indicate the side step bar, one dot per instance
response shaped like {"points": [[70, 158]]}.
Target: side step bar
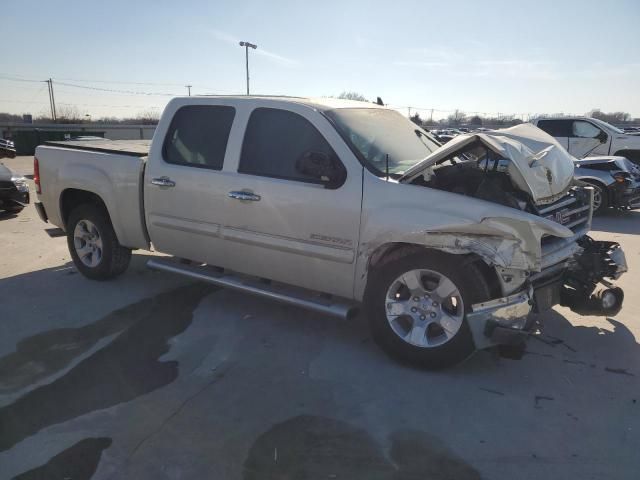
{"points": [[334, 306]]}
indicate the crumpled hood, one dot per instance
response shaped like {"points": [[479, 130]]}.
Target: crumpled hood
{"points": [[538, 165]]}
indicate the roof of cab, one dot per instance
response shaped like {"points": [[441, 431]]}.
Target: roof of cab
{"points": [[320, 103]]}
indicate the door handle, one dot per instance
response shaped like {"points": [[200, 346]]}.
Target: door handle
{"points": [[163, 182], [252, 197]]}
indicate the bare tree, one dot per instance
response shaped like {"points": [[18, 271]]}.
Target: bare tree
{"points": [[148, 117], [68, 114], [352, 96], [456, 118], [613, 117], [415, 118]]}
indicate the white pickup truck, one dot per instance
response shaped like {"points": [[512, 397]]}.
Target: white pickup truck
{"points": [[590, 137], [330, 205]]}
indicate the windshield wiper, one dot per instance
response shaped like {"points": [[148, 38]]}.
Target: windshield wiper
{"points": [[420, 134]]}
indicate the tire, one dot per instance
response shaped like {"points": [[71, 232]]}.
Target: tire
{"points": [[602, 192], [93, 244], [442, 351]]}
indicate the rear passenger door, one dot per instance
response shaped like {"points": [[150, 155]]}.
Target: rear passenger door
{"points": [[584, 138], [291, 227], [560, 129], [185, 186]]}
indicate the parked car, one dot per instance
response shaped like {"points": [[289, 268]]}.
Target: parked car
{"points": [[616, 182], [588, 137], [287, 197], [7, 148], [14, 191]]}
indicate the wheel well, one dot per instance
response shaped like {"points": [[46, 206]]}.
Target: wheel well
{"points": [[72, 197], [392, 251], [633, 155]]}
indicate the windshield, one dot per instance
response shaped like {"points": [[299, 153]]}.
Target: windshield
{"points": [[376, 133], [607, 125]]}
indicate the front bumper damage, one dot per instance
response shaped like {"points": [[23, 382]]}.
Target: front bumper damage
{"points": [[582, 284]]}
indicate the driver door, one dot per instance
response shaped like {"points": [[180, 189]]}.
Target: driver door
{"points": [[282, 223]]}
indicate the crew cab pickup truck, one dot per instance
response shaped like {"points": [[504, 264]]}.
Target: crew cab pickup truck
{"points": [[590, 137], [331, 205]]}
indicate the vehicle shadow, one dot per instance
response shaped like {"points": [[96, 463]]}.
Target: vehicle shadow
{"points": [[7, 215], [617, 221]]}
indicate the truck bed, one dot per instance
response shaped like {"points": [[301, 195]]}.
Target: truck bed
{"points": [[135, 148]]}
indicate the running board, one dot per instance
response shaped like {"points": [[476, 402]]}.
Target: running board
{"points": [[329, 305]]}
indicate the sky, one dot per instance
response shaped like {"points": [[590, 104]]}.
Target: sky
{"points": [[124, 58]]}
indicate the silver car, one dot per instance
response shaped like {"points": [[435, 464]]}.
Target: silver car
{"points": [[616, 181]]}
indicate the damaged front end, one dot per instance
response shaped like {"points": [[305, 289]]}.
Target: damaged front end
{"points": [[582, 283], [542, 258]]}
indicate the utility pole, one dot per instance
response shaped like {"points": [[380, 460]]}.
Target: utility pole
{"points": [[52, 100], [431, 116], [189, 89], [246, 46]]}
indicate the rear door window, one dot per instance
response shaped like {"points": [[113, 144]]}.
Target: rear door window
{"points": [[198, 136], [275, 140], [556, 128]]}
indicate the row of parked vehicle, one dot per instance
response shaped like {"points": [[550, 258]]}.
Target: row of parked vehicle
{"points": [[14, 189], [606, 157]]}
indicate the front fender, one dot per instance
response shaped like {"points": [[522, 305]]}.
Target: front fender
{"points": [[501, 236]]}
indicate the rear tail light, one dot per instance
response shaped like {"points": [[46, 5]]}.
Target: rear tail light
{"points": [[36, 175]]}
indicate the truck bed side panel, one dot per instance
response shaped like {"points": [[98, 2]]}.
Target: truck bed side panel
{"points": [[115, 178]]}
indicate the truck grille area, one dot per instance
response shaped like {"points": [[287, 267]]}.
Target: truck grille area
{"points": [[573, 210]]}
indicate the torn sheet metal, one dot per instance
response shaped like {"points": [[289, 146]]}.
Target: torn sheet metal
{"points": [[538, 164], [494, 319]]}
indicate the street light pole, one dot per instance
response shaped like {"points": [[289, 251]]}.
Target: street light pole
{"points": [[189, 89], [246, 46]]}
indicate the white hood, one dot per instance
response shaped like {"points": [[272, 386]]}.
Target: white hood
{"points": [[538, 164]]}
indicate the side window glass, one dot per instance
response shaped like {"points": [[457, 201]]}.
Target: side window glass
{"points": [[555, 128], [198, 136], [280, 144], [584, 129]]}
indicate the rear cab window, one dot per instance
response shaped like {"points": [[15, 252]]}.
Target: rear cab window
{"points": [[198, 136], [556, 128], [275, 140]]}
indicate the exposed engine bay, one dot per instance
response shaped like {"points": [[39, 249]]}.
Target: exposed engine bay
{"points": [[477, 172]]}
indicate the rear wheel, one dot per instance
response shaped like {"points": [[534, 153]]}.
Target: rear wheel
{"points": [[93, 244], [600, 197], [417, 307]]}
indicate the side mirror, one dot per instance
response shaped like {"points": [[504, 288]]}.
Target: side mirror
{"points": [[322, 167], [602, 136]]}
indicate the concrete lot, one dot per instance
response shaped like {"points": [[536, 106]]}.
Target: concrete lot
{"points": [[152, 377]]}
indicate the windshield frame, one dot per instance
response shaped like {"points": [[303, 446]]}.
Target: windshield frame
{"points": [[358, 154], [602, 123]]}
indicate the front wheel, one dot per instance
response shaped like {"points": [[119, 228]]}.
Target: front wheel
{"points": [[93, 244], [417, 307]]}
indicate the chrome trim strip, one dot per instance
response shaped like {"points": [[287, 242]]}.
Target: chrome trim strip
{"points": [[564, 203]]}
